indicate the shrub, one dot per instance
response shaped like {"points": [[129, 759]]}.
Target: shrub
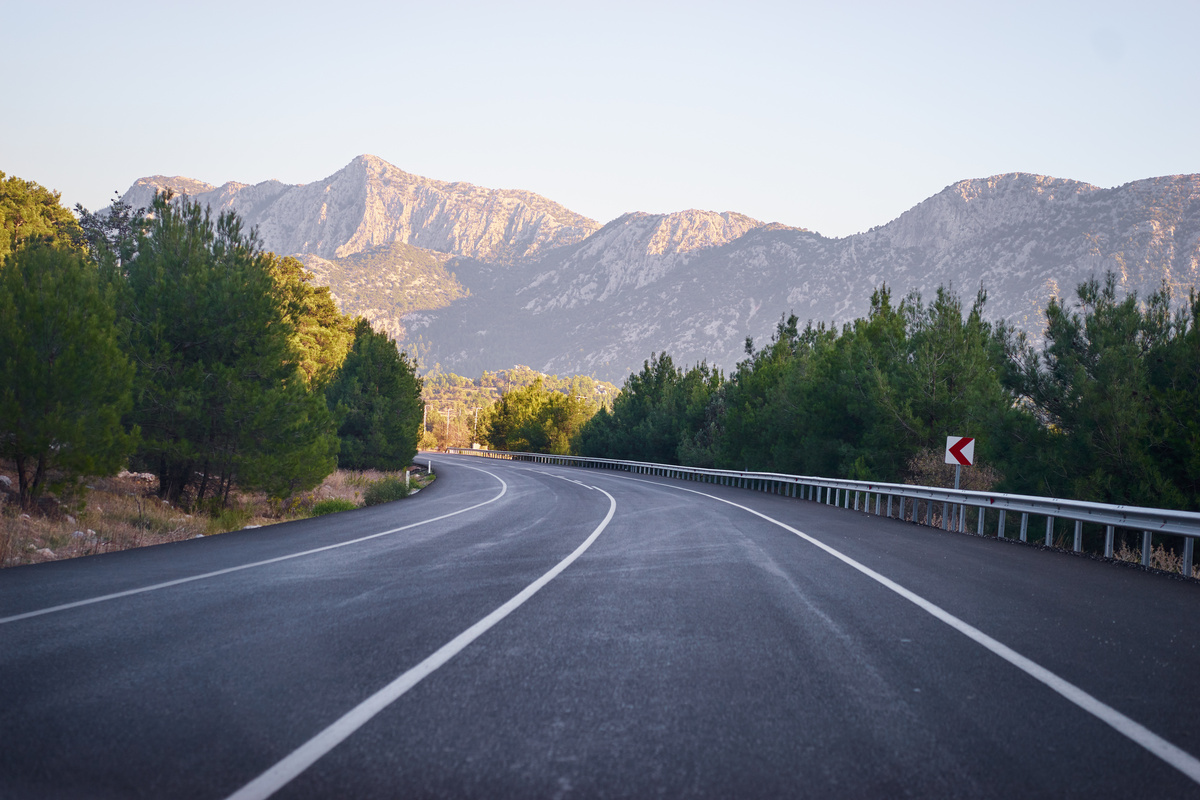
{"points": [[385, 491], [332, 507]]}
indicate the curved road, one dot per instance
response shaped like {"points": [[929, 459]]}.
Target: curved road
{"points": [[524, 630]]}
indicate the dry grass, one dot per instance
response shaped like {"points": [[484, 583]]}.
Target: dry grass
{"points": [[929, 468], [1160, 558], [114, 514], [121, 512]]}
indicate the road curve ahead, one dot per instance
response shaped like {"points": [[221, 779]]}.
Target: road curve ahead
{"points": [[523, 630]]}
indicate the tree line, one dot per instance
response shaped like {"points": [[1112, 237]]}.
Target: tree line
{"points": [[169, 340], [1105, 408], [458, 408], [540, 419]]}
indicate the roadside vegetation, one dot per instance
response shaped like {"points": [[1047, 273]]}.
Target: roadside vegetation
{"points": [[459, 409], [124, 511], [1105, 408], [167, 342]]}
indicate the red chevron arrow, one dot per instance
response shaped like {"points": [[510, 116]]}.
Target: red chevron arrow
{"points": [[955, 450]]}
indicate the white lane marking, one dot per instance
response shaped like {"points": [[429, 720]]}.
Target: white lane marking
{"points": [[178, 581], [1178, 758], [308, 753], [564, 478]]}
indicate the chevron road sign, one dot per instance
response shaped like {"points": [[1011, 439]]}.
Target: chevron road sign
{"points": [[960, 450]]}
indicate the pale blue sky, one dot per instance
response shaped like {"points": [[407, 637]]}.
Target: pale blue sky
{"points": [[835, 117]]}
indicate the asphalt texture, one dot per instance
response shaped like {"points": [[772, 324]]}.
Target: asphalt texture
{"points": [[694, 650]]}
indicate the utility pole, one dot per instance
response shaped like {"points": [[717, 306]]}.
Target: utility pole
{"points": [[476, 438]]}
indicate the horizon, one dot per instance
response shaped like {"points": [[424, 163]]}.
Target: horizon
{"points": [[831, 118], [213, 186]]}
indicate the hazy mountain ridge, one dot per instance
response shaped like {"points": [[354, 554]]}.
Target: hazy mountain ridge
{"points": [[532, 282], [370, 202], [1025, 238], [630, 252]]}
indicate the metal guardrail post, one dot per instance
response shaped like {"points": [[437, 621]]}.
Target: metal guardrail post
{"points": [[1049, 531], [979, 522], [1000, 526], [1145, 548], [1078, 535], [1024, 526], [1189, 547], [1108, 541]]}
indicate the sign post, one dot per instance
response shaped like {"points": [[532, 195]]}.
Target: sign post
{"points": [[960, 450]]}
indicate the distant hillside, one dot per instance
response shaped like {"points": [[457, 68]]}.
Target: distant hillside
{"points": [[386, 282], [601, 308], [475, 278]]}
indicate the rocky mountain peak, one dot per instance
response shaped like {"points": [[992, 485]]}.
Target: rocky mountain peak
{"points": [[968, 209], [142, 193], [370, 202]]}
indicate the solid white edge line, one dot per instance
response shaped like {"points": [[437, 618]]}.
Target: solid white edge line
{"points": [[178, 581], [1178, 758], [308, 753]]}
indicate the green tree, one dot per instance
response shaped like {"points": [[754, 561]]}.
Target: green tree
{"points": [[659, 409], [30, 212], [536, 419], [1116, 384], [377, 397], [219, 395], [321, 333], [64, 382], [110, 236]]}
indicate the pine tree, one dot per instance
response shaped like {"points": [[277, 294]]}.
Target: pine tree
{"points": [[64, 382], [377, 398], [219, 397]]}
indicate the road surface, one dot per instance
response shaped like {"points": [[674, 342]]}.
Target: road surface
{"points": [[523, 630]]}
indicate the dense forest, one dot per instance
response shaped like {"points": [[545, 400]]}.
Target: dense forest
{"points": [[168, 340], [1104, 409]]}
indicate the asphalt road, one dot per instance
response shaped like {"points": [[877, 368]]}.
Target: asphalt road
{"points": [[681, 642]]}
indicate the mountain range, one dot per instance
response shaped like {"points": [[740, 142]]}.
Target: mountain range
{"points": [[473, 278]]}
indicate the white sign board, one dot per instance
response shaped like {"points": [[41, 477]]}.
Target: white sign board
{"points": [[960, 450]]}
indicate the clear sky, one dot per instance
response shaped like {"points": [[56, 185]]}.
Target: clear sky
{"points": [[830, 116]]}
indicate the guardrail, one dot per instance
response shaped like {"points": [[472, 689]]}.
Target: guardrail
{"points": [[907, 501]]}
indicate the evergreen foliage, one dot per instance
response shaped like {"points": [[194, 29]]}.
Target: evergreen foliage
{"points": [[1106, 410], [1117, 385], [537, 419], [658, 411], [458, 406], [64, 382], [30, 212], [377, 397], [111, 235], [219, 395], [322, 334]]}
